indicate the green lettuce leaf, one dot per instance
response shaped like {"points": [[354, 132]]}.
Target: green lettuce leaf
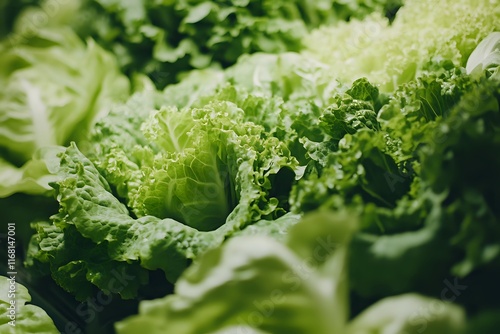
{"points": [[486, 56], [350, 112], [188, 180], [26, 318], [357, 172], [290, 75], [93, 236], [409, 313]]}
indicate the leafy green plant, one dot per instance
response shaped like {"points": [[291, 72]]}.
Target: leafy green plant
{"points": [[54, 88], [17, 315]]}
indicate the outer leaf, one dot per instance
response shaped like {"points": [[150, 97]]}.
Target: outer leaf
{"points": [[486, 56], [410, 313], [27, 318], [92, 218]]}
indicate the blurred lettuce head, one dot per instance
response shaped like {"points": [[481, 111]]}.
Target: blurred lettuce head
{"points": [[54, 86], [389, 54]]}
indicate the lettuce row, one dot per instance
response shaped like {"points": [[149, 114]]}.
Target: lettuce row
{"points": [[182, 35], [265, 141], [166, 38], [422, 220]]}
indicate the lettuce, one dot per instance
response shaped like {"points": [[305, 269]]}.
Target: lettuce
{"points": [[254, 284], [166, 38], [393, 54], [155, 188], [28, 318], [205, 185], [43, 105], [421, 178], [486, 56]]}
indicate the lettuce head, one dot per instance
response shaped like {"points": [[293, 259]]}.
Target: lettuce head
{"points": [[54, 87]]}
